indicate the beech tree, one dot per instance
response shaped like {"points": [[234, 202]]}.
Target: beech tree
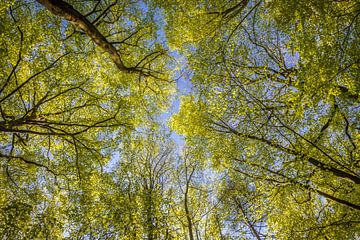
{"points": [[276, 100], [66, 104]]}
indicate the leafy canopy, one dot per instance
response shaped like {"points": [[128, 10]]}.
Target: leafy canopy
{"points": [[271, 125]]}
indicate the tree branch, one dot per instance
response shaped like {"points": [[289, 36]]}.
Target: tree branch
{"points": [[66, 11]]}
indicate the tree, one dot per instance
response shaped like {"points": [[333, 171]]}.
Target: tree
{"points": [[188, 210], [261, 81], [64, 107], [148, 165]]}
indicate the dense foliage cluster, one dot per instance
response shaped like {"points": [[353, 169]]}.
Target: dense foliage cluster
{"points": [[271, 125]]}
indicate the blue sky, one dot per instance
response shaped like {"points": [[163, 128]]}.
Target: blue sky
{"points": [[182, 76], [183, 87]]}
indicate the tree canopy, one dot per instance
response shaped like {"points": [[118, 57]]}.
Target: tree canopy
{"points": [[270, 129]]}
